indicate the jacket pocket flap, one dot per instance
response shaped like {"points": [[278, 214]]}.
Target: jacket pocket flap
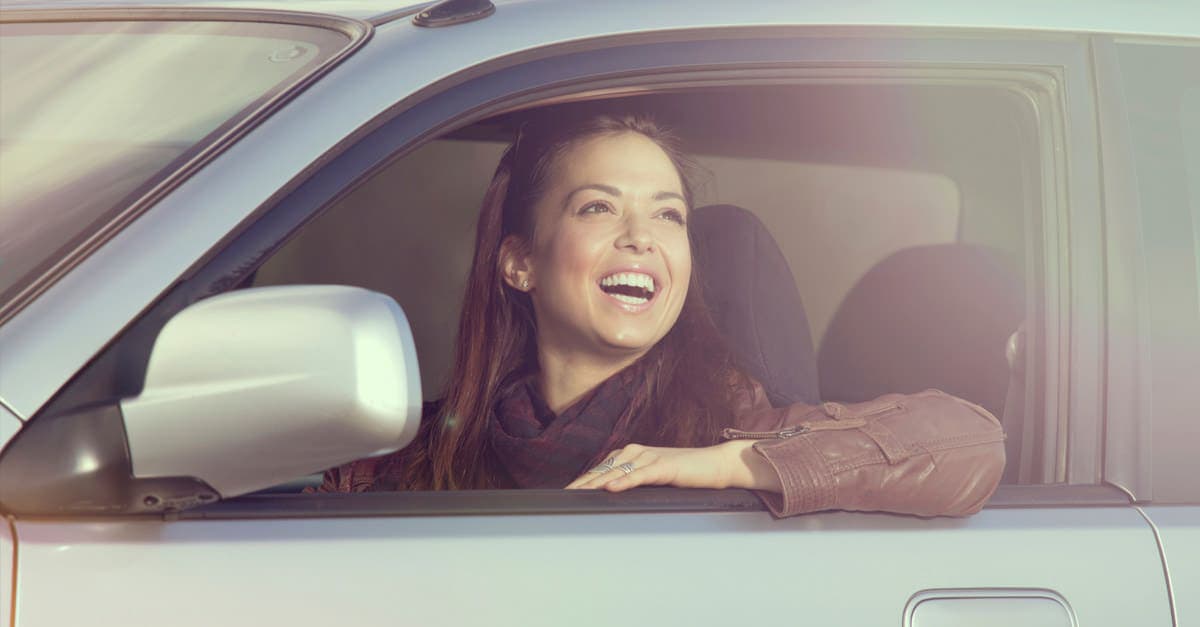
{"points": [[893, 449]]}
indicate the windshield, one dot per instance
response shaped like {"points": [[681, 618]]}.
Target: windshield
{"points": [[93, 115]]}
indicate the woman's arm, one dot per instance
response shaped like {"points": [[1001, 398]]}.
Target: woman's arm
{"points": [[928, 454]]}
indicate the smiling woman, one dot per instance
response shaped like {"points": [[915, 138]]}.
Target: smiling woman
{"points": [[583, 359]]}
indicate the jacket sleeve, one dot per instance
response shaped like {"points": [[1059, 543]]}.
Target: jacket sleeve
{"points": [[928, 454]]}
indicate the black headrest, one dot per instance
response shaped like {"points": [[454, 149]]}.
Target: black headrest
{"points": [[934, 316], [754, 302]]}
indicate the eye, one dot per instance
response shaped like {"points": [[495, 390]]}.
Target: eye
{"points": [[674, 215], [595, 207]]}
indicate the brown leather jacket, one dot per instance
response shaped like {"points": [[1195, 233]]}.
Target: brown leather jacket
{"points": [[929, 454]]}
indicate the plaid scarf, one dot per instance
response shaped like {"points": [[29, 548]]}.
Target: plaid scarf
{"points": [[538, 449]]}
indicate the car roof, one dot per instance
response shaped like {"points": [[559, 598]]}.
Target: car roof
{"points": [[359, 9], [1177, 18]]}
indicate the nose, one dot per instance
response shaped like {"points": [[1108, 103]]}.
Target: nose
{"points": [[636, 236]]}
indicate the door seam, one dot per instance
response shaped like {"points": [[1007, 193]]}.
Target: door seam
{"points": [[1162, 554]]}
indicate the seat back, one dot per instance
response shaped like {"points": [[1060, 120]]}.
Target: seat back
{"points": [[754, 302], [936, 316]]}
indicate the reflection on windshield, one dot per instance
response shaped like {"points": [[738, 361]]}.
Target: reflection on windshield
{"points": [[92, 115]]}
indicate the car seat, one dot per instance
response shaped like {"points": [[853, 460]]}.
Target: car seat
{"points": [[754, 302], [937, 316]]}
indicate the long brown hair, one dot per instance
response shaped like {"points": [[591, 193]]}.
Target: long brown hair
{"points": [[683, 395]]}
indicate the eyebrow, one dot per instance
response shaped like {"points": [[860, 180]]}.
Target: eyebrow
{"points": [[612, 191]]}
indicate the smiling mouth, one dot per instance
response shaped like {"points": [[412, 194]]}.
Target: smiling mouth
{"points": [[631, 288]]}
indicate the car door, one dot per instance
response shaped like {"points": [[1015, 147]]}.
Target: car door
{"points": [[1061, 549]]}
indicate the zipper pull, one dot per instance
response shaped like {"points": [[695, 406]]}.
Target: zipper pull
{"points": [[737, 434]]}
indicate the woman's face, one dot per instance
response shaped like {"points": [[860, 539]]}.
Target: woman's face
{"points": [[609, 265]]}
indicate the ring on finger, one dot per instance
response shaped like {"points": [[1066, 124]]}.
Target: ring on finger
{"points": [[627, 467], [605, 466]]}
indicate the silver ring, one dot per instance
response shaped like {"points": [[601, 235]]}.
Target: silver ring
{"points": [[604, 466], [627, 467]]}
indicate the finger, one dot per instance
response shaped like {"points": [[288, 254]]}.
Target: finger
{"points": [[655, 473], [642, 456], [584, 480]]}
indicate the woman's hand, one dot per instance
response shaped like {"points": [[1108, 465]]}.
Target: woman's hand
{"points": [[732, 464]]}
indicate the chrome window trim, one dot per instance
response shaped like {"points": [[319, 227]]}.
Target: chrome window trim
{"points": [[357, 31]]}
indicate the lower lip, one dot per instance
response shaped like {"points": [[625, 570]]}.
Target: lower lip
{"points": [[629, 307]]}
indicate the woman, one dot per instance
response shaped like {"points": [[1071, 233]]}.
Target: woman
{"points": [[586, 359]]}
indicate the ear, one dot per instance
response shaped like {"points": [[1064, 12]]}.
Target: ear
{"points": [[515, 264]]}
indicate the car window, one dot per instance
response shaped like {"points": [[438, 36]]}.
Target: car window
{"points": [[1189, 127], [1161, 84], [899, 210], [95, 114]]}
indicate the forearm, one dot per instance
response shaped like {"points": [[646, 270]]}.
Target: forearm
{"points": [[928, 454], [750, 469]]}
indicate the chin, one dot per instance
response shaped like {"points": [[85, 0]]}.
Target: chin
{"points": [[631, 341]]}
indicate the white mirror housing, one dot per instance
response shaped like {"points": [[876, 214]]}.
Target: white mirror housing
{"points": [[255, 387]]}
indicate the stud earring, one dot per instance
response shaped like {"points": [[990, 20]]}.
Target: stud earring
{"points": [[524, 284]]}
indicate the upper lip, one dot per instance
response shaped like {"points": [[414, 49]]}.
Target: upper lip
{"points": [[658, 282]]}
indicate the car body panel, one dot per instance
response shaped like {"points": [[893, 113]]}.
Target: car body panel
{"points": [[1179, 534], [833, 568], [1169, 18]]}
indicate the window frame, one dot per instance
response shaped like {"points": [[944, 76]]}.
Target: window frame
{"points": [[605, 66]]}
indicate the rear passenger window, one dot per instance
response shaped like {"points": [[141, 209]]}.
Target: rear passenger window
{"points": [[909, 213], [1161, 84]]}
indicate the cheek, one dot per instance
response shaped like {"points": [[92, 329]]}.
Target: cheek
{"points": [[680, 258], [570, 254]]}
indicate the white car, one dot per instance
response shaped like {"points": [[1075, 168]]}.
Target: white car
{"points": [[233, 239]]}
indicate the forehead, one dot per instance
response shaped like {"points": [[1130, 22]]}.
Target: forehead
{"points": [[627, 161]]}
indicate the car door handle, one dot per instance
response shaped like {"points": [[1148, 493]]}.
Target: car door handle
{"points": [[988, 607]]}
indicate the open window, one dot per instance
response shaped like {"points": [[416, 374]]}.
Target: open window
{"points": [[908, 206]]}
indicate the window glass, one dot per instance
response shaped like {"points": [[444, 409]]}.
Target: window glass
{"points": [[92, 115], [1189, 126], [1161, 84], [1162, 89]]}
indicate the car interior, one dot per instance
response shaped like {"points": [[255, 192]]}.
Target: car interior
{"points": [[854, 237]]}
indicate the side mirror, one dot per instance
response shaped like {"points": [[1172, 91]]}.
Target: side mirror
{"points": [[243, 391], [255, 387]]}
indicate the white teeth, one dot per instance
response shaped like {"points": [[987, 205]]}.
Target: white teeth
{"points": [[635, 279], [632, 300]]}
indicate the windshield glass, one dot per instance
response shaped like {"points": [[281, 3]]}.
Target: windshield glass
{"points": [[93, 115]]}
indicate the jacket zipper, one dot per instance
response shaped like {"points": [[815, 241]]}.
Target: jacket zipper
{"points": [[738, 434]]}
